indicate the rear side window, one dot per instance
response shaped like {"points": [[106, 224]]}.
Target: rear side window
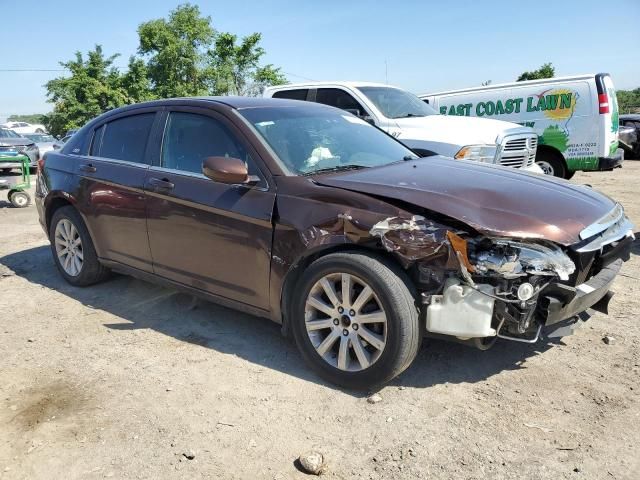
{"points": [[335, 97], [125, 138], [298, 94]]}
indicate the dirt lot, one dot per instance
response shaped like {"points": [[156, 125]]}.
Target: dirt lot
{"points": [[125, 378]]}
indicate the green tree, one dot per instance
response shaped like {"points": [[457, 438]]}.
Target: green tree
{"points": [[547, 70], [629, 100], [30, 118], [93, 87], [135, 81], [235, 68], [175, 50]]}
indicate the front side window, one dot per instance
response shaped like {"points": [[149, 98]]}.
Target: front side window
{"points": [[313, 139], [396, 103], [335, 97], [126, 138], [189, 138]]}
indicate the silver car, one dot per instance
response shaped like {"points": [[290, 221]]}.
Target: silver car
{"points": [[11, 142]]}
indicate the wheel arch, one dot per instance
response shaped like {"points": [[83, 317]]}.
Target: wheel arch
{"points": [[295, 271], [549, 150], [56, 201]]}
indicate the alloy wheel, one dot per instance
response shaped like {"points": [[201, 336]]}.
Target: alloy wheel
{"points": [[69, 247], [345, 322]]}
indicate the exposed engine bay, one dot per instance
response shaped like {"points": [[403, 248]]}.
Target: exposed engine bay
{"points": [[479, 288]]}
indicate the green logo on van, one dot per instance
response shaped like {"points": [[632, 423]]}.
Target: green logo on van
{"points": [[555, 137], [556, 104]]}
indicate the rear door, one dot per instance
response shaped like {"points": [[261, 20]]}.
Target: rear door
{"points": [[211, 236], [111, 188]]}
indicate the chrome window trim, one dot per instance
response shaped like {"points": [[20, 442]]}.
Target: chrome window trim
{"points": [[185, 173]]}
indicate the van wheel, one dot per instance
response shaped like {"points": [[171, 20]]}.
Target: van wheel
{"points": [[72, 249], [551, 164], [354, 320]]}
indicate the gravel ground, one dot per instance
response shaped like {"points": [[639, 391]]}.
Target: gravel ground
{"points": [[127, 380]]}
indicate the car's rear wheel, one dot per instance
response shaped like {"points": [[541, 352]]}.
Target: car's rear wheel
{"points": [[355, 320], [72, 249]]}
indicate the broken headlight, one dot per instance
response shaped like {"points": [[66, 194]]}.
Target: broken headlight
{"points": [[514, 259]]}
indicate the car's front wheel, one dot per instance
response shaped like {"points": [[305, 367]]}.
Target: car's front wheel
{"points": [[355, 320], [72, 249]]}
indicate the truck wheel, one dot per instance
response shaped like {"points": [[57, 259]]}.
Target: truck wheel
{"points": [[355, 320], [19, 199], [551, 164], [72, 249]]}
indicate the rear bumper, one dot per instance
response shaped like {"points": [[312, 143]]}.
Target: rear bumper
{"points": [[609, 163]]}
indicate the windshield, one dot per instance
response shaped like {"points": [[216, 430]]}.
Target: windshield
{"points": [[39, 137], [5, 133], [396, 103], [309, 140]]}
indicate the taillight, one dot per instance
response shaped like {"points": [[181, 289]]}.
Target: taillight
{"points": [[603, 103], [41, 163]]}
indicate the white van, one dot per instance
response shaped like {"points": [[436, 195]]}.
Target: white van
{"points": [[418, 126], [576, 118]]}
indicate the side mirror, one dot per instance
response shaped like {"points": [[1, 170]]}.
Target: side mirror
{"points": [[227, 170]]}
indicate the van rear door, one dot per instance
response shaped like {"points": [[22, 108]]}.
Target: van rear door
{"points": [[608, 115]]}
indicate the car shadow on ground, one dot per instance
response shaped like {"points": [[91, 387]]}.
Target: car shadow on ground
{"points": [[635, 246], [142, 305]]}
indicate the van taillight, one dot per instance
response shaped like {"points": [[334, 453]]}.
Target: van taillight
{"points": [[603, 102]]}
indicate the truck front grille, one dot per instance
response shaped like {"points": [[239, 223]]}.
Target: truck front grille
{"points": [[518, 151]]}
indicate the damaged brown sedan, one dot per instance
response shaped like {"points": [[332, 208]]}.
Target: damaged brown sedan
{"points": [[309, 216]]}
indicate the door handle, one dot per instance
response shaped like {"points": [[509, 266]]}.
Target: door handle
{"points": [[88, 168], [161, 183]]}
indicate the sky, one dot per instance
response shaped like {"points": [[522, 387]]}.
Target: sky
{"points": [[422, 46]]}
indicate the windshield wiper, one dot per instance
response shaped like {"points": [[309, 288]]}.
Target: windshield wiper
{"points": [[337, 168]]}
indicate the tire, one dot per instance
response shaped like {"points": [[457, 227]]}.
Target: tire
{"points": [[91, 270], [551, 164], [569, 174], [19, 198], [392, 293]]}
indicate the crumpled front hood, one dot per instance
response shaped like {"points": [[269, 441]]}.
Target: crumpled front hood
{"points": [[495, 201], [453, 129]]}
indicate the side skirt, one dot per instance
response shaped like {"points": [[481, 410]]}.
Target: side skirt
{"points": [[210, 297]]}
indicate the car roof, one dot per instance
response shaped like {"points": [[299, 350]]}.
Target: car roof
{"points": [[352, 84], [630, 116], [237, 103]]}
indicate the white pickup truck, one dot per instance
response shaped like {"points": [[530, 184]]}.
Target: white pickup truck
{"points": [[419, 126]]}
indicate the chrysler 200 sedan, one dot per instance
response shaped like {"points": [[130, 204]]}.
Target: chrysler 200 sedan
{"points": [[311, 217]]}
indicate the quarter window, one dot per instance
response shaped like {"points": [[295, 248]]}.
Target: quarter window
{"points": [[190, 138], [95, 142], [126, 138]]}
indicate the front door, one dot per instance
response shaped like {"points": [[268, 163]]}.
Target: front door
{"points": [[211, 236]]}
